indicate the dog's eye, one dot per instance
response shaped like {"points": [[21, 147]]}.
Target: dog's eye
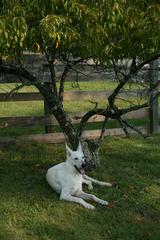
{"points": [[76, 158]]}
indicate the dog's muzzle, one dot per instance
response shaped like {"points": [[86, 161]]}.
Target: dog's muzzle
{"points": [[80, 170], [84, 167]]}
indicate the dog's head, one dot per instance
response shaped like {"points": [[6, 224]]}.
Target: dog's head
{"points": [[76, 158]]}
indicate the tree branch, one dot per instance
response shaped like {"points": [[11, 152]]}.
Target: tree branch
{"points": [[103, 129], [15, 89], [96, 111], [134, 128], [62, 82], [123, 111], [69, 65], [112, 97], [147, 61], [123, 126]]}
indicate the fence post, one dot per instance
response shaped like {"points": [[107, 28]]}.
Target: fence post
{"points": [[154, 116]]}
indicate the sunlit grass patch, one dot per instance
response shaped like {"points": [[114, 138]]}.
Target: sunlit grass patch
{"points": [[34, 108]]}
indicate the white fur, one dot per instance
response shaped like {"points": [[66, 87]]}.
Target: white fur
{"points": [[65, 179]]}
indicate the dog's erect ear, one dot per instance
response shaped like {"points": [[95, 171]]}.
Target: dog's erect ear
{"points": [[68, 150], [79, 147]]}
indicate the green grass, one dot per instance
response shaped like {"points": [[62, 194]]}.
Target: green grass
{"points": [[71, 86], [34, 108], [30, 210]]}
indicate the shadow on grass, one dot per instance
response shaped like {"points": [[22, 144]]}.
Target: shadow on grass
{"points": [[40, 231], [45, 230], [23, 168]]}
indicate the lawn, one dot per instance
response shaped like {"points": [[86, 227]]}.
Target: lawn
{"points": [[97, 85], [30, 210]]}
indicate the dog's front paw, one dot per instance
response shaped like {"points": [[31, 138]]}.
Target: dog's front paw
{"points": [[90, 186], [89, 206], [103, 202]]}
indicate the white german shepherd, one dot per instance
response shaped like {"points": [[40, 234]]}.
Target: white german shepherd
{"points": [[67, 178]]}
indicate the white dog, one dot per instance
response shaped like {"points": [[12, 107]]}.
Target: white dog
{"points": [[67, 177]]}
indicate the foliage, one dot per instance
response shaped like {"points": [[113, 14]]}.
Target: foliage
{"points": [[99, 29], [131, 28]]}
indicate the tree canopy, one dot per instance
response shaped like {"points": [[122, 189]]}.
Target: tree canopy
{"points": [[102, 30]]}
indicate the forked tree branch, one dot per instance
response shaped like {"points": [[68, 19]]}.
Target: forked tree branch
{"points": [[62, 82], [133, 128], [107, 113], [146, 61], [113, 111], [123, 126], [69, 65]]}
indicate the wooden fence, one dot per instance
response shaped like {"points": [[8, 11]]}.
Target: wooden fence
{"points": [[49, 120]]}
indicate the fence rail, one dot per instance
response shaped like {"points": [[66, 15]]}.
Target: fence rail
{"points": [[6, 122], [72, 95], [59, 137], [49, 120]]}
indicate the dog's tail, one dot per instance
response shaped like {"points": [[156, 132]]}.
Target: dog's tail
{"points": [[97, 181]]}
